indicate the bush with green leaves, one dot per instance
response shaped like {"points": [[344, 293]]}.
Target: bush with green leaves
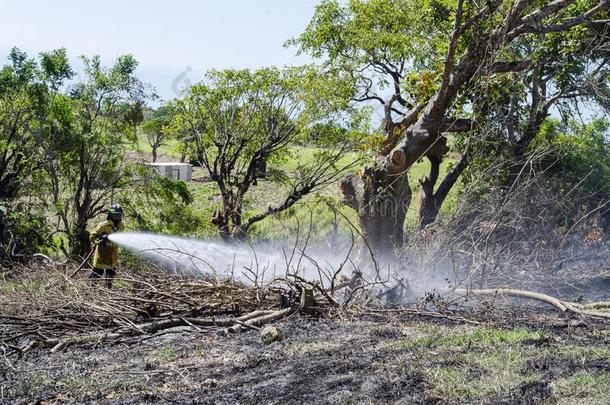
{"points": [[28, 230], [162, 205], [579, 157]]}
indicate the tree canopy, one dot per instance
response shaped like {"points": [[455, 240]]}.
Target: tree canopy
{"points": [[478, 71], [243, 119]]}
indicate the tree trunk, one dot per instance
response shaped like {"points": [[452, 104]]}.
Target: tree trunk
{"points": [[154, 153], [9, 188], [431, 202], [84, 244], [229, 220], [200, 157], [381, 200], [219, 219], [237, 231], [429, 207], [82, 247], [261, 171], [381, 196]]}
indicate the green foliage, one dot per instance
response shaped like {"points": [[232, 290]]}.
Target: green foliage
{"points": [[68, 143], [580, 155], [172, 190], [365, 42], [28, 228], [162, 205], [85, 134], [242, 121], [55, 67], [369, 31], [158, 128], [24, 90], [244, 110]]}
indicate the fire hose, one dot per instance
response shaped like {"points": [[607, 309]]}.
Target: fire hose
{"points": [[79, 268]]}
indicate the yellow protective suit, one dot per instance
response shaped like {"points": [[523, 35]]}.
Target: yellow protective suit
{"points": [[106, 255]]}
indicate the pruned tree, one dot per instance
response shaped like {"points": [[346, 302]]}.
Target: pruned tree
{"points": [[421, 61], [243, 119]]}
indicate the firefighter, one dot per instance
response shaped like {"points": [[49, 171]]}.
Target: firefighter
{"points": [[106, 253]]}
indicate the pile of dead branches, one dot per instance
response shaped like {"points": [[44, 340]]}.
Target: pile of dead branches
{"points": [[47, 309]]}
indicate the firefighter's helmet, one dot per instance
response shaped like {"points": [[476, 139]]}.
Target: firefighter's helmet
{"points": [[115, 212]]}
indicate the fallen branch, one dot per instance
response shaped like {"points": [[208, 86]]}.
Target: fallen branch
{"points": [[517, 293], [251, 320], [83, 263], [563, 306], [597, 305]]}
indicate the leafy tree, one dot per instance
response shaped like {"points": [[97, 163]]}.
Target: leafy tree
{"points": [[160, 204], [15, 110], [242, 119], [87, 132], [157, 128], [25, 87], [580, 155], [423, 61]]}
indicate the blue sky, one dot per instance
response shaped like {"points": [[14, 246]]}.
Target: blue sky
{"points": [[174, 41]]}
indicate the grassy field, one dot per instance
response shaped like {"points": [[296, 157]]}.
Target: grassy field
{"points": [[268, 193]]}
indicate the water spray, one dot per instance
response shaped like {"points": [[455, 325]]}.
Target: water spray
{"points": [[245, 263]]}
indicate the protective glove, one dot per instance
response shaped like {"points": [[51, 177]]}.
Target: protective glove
{"points": [[103, 240]]}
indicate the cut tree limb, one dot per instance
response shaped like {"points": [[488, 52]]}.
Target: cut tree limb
{"points": [[261, 320]]}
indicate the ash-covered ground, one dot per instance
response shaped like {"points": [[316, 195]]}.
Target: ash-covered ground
{"points": [[523, 354]]}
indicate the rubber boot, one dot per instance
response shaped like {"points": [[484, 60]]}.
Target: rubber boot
{"points": [[95, 275], [110, 275]]}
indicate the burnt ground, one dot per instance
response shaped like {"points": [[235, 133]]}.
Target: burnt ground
{"points": [[522, 355]]}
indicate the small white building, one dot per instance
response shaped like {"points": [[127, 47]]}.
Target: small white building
{"points": [[173, 170]]}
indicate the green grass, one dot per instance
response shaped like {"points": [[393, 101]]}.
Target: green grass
{"points": [[452, 383], [304, 155], [585, 353], [475, 364], [583, 388], [168, 150], [164, 354], [497, 356], [31, 384], [438, 336], [106, 384], [25, 286]]}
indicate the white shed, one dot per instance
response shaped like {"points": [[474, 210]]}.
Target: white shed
{"points": [[173, 170]]}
